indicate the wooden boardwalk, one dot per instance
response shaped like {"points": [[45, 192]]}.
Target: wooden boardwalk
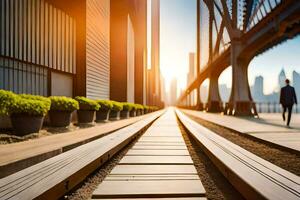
{"points": [[54, 177], [17, 156], [158, 166], [252, 176], [269, 127]]}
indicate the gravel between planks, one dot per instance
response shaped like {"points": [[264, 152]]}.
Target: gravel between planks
{"points": [[280, 157], [86, 189], [216, 185]]}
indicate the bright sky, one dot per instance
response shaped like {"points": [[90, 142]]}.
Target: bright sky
{"points": [[178, 38]]}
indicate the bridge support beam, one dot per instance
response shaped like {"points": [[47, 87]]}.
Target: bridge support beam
{"points": [[188, 100], [240, 102], [214, 103], [199, 105]]}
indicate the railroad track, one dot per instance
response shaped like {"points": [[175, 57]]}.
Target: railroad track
{"points": [[157, 166]]}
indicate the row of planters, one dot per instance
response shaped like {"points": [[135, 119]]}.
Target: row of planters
{"points": [[27, 112]]}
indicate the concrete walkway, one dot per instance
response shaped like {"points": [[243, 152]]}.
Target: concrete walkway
{"points": [[158, 166], [269, 127]]}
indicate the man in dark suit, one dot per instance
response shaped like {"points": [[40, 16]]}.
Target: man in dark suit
{"points": [[287, 100]]}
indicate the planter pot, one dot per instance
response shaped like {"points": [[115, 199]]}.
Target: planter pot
{"points": [[132, 113], [102, 115], [25, 124], [124, 114], [114, 115], [85, 116], [46, 121], [5, 123], [138, 112], [60, 118]]}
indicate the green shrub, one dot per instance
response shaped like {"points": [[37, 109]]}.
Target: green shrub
{"points": [[139, 107], [7, 98], [146, 107], [154, 108], [117, 106], [35, 97], [105, 104], [29, 107], [128, 106], [61, 103], [87, 104]]}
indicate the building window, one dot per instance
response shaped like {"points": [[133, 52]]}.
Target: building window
{"points": [[21, 77]]}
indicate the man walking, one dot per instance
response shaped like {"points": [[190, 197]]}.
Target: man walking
{"points": [[287, 100]]}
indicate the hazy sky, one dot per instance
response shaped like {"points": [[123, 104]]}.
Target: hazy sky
{"points": [[178, 38]]}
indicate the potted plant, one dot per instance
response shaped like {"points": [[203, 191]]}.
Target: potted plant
{"points": [[40, 98], [153, 108], [87, 109], [27, 113], [102, 115], [115, 110], [139, 109], [6, 99], [127, 107], [132, 113], [146, 109], [61, 110]]}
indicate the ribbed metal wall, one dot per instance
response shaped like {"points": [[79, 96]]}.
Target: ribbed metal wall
{"points": [[23, 77], [34, 34], [97, 49]]}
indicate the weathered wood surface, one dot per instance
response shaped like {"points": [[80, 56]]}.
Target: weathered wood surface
{"points": [[268, 127], [158, 166], [52, 178], [253, 176], [17, 156]]}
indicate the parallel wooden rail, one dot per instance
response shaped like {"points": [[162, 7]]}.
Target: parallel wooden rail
{"points": [[252, 176], [53, 178]]}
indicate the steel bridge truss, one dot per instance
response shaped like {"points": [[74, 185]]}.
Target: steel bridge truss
{"points": [[231, 33]]}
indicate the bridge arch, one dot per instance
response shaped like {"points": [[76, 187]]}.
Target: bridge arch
{"points": [[246, 29]]}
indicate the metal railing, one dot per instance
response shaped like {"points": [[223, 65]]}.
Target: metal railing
{"points": [[273, 107]]}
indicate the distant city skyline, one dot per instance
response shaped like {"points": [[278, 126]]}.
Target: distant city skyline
{"points": [[257, 88]]}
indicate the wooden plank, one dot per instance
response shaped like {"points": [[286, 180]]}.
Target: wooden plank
{"points": [[151, 177], [169, 147], [153, 169], [160, 144], [156, 160], [28, 153], [254, 177], [161, 139], [134, 152], [190, 198], [150, 189], [58, 175]]}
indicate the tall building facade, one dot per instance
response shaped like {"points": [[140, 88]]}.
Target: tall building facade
{"points": [[281, 79], [38, 42], [258, 89], [54, 47], [296, 84], [154, 75], [128, 50], [155, 44], [173, 92]]}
